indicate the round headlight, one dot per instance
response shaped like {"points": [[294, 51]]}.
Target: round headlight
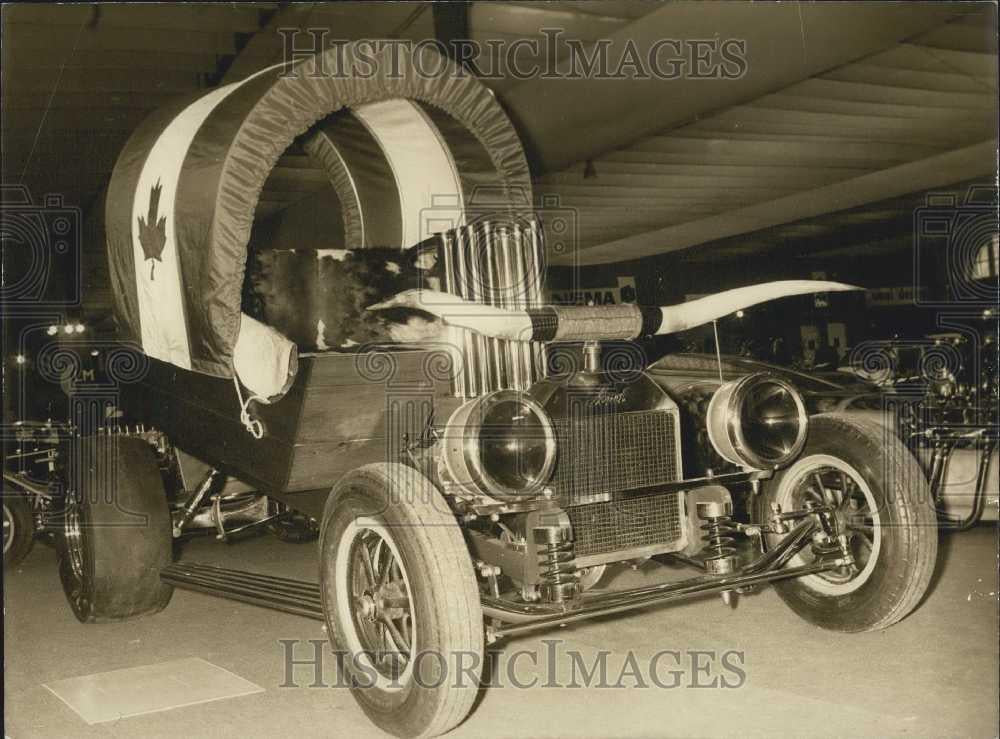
{"points": [[502, 444], [758, 421]]}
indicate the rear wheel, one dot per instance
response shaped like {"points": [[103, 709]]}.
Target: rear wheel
{"points": [[18, 528], [883, 507], [116, 533], [401, 600]]}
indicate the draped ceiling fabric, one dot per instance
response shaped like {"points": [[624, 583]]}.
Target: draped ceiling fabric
{"points": [[183, 193]]}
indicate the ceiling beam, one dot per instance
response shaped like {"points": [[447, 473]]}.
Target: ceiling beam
{"points": [[30, 39], [230, 18], [451, 23], [194, 61], [44, 82], [265, 46], [935, 171], [784, 43], [118, 99]]}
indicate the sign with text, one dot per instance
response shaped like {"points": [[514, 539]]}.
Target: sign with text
{"points": [[623, 292]]}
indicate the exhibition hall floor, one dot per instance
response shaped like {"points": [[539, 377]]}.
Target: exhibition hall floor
{"points": [[934, 674]]}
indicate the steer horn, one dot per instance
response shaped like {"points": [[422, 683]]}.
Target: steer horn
{"points": [[595, 323]]}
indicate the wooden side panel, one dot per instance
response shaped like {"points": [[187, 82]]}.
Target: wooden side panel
{"points": [[360, 408], [343, 411], [201, 415]]}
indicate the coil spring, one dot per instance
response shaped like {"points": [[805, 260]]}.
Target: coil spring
{"points": [[557, 568], [719, 539]]}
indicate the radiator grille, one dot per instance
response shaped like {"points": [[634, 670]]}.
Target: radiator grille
{"points": [[610, 452], [600, 528]]}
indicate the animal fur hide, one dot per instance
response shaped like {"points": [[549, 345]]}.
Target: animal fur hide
{"points": [[320, 299]]}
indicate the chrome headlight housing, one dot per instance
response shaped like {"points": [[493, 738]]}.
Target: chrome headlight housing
{"points": [[502, 445], [758, 421]]}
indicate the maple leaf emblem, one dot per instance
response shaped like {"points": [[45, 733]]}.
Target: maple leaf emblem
{"points": [[153, 231]]}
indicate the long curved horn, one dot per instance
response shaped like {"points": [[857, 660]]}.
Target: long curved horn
{"points": [[712, 307], [608, 322]]}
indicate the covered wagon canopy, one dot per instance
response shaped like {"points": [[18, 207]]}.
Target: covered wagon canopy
{"points": [[422, 140]]}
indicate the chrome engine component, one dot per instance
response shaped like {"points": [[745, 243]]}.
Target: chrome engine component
{"points": [[556, 559], [719, 529], [497, 265], [758, 421], [501, 445]]}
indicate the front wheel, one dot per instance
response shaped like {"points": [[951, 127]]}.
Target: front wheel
{"points": [[401, 600], [883, 507]]}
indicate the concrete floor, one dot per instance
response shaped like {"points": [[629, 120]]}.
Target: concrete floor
{"points": [[933, 675]]}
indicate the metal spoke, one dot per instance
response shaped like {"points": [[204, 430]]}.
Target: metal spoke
{"points": [[845, 502], [380, 640], [402, 643], [818, 497], [384, 574], [406, 629], [823, 492], [867, 539], [845, 489], [368, 569]]}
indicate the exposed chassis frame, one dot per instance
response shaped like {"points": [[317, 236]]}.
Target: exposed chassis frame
{"points": [[509, 618], [944, 440]]}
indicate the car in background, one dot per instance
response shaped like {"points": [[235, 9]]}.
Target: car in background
{"points": [[949, 425]]}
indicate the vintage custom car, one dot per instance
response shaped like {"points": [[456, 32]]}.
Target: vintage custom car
{"points": [[472, 486]]}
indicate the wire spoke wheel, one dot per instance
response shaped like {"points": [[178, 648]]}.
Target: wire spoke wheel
{"points": [[872, 493], [828, 481], [401, 600], [382, 607]]}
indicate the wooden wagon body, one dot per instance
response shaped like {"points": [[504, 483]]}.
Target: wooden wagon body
{"points": [[343, 410]]}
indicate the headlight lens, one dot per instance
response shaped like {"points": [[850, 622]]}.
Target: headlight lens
{"points": [[502, 444], [758, 421]]}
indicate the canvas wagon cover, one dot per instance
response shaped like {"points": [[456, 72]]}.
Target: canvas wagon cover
{"points": [[182, 197]]}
